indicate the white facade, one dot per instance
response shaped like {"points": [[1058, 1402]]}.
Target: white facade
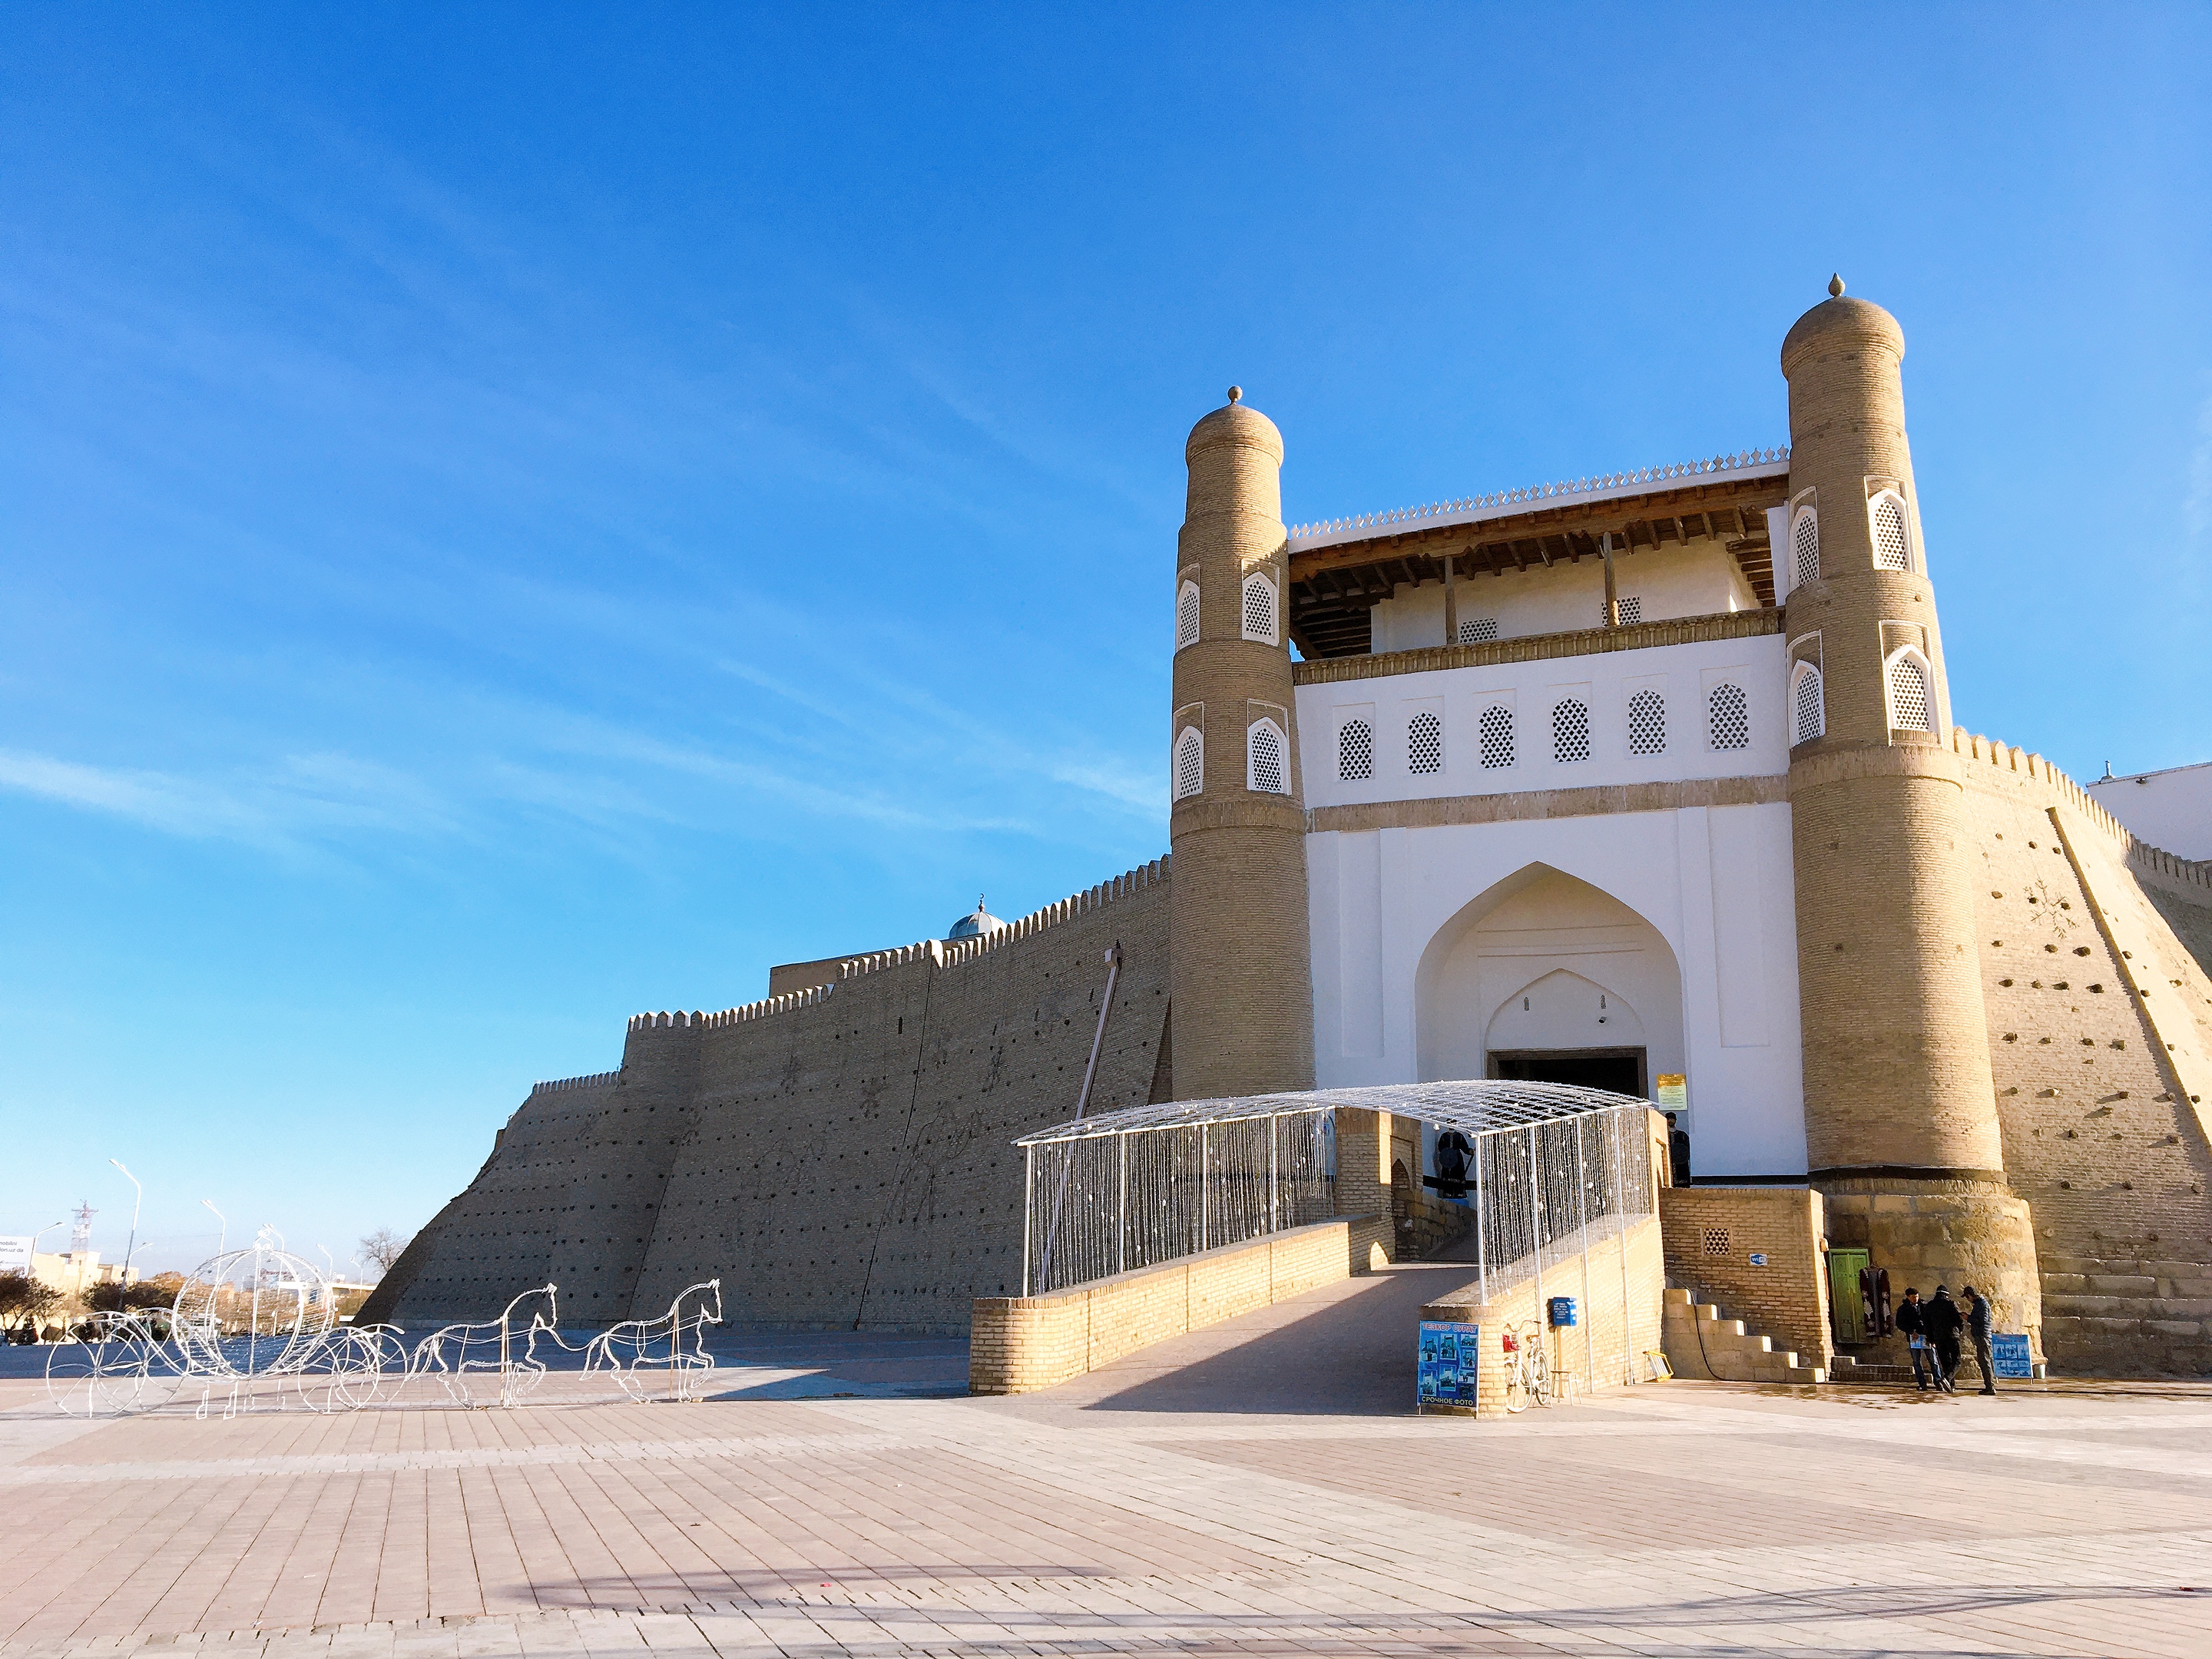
{"points": [[1670, 930], [1564, 596], [2171, 809]]}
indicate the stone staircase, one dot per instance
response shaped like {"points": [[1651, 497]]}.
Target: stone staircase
{"points": [[2114, 1317], [1703, 1342]]}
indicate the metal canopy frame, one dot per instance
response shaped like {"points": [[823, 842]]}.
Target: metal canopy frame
{"points": [[1475, 1106]]}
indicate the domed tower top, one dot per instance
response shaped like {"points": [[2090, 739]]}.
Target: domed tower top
{"points": [[1843, 323], [1235, 422], [975, 925]]}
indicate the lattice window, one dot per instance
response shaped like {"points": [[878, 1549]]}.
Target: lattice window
{"points": [[1355, 752], [1187, 615], [1911, 700], [1892, 551], [1259, 609], [1727, 712], [1631, 610], [1496, 737], [1805, 547], [1717, 1241], [1189, 763], [1425, 744], [1569, 731], [1267, 759], [1647, 723], [1809, 714], [1476, 630]]}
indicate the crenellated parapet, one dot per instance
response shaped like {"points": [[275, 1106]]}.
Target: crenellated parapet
{"points": [[597, 1080], [2061, 789]]}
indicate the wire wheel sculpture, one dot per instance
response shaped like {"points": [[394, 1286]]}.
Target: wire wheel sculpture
{"points": [[117, 1371]]}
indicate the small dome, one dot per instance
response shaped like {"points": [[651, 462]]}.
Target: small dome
{"points": [[975, 925], [1842, 321], [1235, 422]]}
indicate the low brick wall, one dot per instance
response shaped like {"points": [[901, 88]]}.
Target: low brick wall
{"points": [[1712, 1233], [1605, 1349], [1019, 1344]]}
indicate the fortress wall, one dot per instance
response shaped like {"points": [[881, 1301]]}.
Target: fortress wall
{"points": [[836, 1155], [2100, 1031]]}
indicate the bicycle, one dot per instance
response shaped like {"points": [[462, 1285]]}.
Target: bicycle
{"points": [[1528, 1367]]}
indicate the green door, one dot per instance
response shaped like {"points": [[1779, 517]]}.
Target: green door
{"points": [[1846, 1306]]}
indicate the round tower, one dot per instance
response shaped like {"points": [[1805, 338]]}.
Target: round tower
{"points": [[1900, 1111], [1240, 984]]}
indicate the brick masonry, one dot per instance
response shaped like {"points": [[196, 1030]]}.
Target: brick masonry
{"points": [[1712, 1233]]}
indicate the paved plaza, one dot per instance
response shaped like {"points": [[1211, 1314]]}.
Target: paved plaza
{"points": [[1258, 1488]]}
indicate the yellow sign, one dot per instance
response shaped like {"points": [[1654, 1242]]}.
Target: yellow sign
{"points": [[1674, 1092]]}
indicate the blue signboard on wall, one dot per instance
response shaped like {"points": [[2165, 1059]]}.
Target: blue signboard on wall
{"points": [[1450, 1361]]}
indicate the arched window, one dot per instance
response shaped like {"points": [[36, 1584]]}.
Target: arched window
{"points": [[1189, 762], [1259, 609], [1893, 550], [1355, 752], [1808, 713], [1912, 692], [1805, 547], [1569, 731], [1647, 723], [1425, 744], [1727, 712], [1476, 630], [1267, 759], [1496, 737], [1186, 615]]}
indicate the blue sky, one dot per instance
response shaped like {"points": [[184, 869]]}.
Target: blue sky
{"points": [[515, 515]]}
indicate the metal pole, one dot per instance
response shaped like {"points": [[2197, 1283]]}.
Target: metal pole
{"points": [[1202, 1183], [1029, 1188], [1481, 1224], [131, 1249], [1536, 1235], [1124, 1256], [1275, 1224], [1582, 1213], [1619, 1116]]}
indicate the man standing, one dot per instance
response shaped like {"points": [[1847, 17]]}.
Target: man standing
{"points": [[1678, 1150], [1978, 1326], [1912, 1321], [1941, 1319]]}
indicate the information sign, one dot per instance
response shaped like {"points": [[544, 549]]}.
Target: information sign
{"points": [[1450, 1362], [15, 1253], [2009, 1350]]}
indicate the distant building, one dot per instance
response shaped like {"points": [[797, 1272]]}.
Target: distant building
{"points": [[2171, 809]]}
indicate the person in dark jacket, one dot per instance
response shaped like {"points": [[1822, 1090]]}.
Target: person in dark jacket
{"points": [[1942, 1320], [1912, 1321], [1678, 1150], [1978, 1326]]}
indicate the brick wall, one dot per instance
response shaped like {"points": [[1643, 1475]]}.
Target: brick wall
{"points": [[1019, 1344], [1711, 1234]]}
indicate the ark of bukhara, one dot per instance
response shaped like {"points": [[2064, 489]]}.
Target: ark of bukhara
{"points": [[1646, 774]]}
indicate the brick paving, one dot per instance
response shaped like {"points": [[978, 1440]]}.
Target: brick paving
{"points": [[1212, 1496]]}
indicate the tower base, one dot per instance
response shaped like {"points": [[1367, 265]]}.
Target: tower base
{"points": [[1929, 1232]]}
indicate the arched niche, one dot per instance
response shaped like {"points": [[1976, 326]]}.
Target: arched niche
{"points": [[1605, 976]]}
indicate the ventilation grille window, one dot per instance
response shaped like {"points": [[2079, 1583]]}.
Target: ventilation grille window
{"points": [[1187, 616], [1496, 731], [1808, 718], [1647, 724], [1189, 764], [1425, 744], [1805, 549], [1631, 610], [1890, 552], [1270, 758], [1478, 630], [1717, 1241], [1355, 752], [1909, 710], [1569, 731], [1260, 610], [1729, 712]]}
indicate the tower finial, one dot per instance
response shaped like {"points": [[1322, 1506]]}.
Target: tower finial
{"points": [[1236, 393], [1836, 286]]}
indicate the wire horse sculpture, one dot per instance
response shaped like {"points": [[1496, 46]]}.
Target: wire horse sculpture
{"points": [[676, 1343], [456, 1354]]}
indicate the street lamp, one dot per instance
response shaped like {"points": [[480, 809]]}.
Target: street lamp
{"points": [[135, 1203], [222, 1238]]}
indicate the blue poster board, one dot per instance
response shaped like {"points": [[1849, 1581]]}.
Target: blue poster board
{"points": [[2009, 1350], [1450, 1362]]}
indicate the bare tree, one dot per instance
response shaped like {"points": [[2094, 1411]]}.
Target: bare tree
{"points": [[383, 1247]]}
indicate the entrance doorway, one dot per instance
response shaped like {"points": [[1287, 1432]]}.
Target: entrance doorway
{"points": [[1620, 1070]]}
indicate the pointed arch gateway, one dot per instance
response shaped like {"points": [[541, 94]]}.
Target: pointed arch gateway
{"points": [[1546, 977]]}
